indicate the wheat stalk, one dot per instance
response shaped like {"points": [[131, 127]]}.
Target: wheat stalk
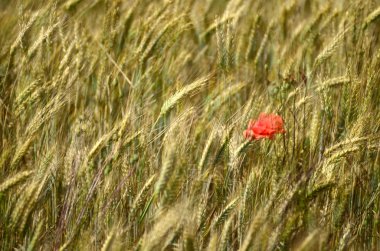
{"points": [[15, 180], [181, 94], [371, 18]]}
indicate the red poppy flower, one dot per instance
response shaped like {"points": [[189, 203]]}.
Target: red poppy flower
{"points": [[266, 126]]}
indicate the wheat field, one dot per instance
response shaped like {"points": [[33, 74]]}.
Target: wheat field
{"points": [[122, 125]]}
